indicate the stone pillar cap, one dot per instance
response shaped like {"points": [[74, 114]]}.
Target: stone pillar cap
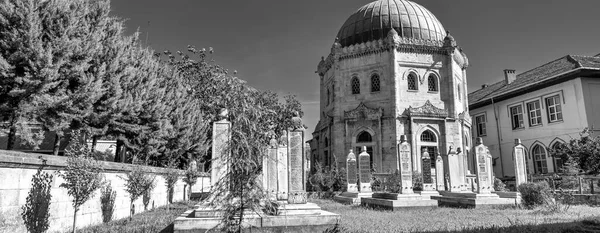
{"points": [[517, 141], [403, 138]]}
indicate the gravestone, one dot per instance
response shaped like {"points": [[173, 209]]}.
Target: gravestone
{"points": [[221, 136], [454, 171], [306, 161], [439, 173], [270, 169], [296, 167], [520, 165], [364, 169], [405, 166], [351, 173], [483, 179], [462, 174], [428, 185], [282, 167], [490, 170]]}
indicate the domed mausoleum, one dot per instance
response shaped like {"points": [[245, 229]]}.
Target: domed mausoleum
{"points": [[393, 70]]}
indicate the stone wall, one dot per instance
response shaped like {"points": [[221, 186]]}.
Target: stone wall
{"points": [[17, 169]]}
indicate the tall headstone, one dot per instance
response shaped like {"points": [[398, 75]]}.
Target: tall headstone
{"points": [[306, 162], [463, 170], [270, 169], [520, 165], [221, 136], [439, 173], [427, 177], [296, 167], [364, 169], [455, 180], [490, 170], [282, 167], [483, 179], [405, 166], [351, 173]]}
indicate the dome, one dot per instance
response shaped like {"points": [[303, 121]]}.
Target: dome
{"points": [[374, 20]]}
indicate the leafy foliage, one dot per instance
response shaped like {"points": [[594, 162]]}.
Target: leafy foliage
{"points": [[170, 177], [83, 175], [107, 202], [137, 182], [190, 178], [584, 151], [534, 194], [36, 210], [417, 180], [327, 179], [499, 185]]}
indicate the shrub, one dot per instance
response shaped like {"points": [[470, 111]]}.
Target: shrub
{"points": [[136, 183], [327, 179], [534, 194], [499, 185], [107, 202], [36, 210], [417, 179], [171, 177], [148, 187], [190, 178]]}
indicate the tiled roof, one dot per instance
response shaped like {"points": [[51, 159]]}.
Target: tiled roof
{"points": [[535, 76]]}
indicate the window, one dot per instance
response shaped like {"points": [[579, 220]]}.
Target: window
{"points": [[459, 92], [539, 159], [375, 83], [535, 113], [558, 161], [326, 142], [480, 122], [432, 83], [355, 86], [554, 109], [516, 114], [428, 136], [412, 82], [364, 137]]}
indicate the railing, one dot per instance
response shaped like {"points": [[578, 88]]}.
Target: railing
{"points": [[581, 184]]}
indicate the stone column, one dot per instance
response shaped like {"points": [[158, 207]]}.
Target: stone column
{"points": [[405, 166], [364, 169], [270, 170], [520, 165], [296, 167], [351, 173], [282, 167], [221, 137], [483, 179], [426, 165], [454, 171], [439, 173]]}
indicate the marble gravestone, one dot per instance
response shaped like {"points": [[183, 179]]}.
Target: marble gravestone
{"points": [[462, 169], [520, 166], [351, 173], [282, 167], [221, 136], [296, 166], [426, 172], [482, 167], [405, 166], [270, 169], [364, 169], [456, 182], [439, 173]]}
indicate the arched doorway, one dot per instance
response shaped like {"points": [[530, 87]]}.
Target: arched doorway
{"points": [[365, 138], [429, 143]]}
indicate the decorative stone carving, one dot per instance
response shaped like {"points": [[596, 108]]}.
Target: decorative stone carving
{"points": [[465, 117], [363, 112], [405, 166], [273, 142], [351, 173], [283, 140], [223, 114], [520, 165], [483, 166], [297, 122], [364, 169], [427, 110]]}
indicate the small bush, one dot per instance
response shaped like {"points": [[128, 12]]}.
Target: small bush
{"points": [[137, 182], [190, 178], [417, 179], [36, 210], [107, 202], [327, 179], [534, 194], [499, 185]]}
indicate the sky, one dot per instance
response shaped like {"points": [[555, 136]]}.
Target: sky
{"points": [[277, 44]]}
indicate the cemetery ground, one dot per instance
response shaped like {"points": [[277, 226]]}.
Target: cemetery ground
{"points": [[356, 219]]}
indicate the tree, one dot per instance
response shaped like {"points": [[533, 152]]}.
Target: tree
{"points": [[36, 210], [137, 182], [585, 151], [171, 177], [190, 178], [83, 175]]}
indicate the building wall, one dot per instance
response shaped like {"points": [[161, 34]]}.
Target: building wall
{"points": [[591, 96], [500, 135], [17, 169]]}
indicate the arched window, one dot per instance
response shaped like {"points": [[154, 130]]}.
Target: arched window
{"points": [[558, 161], [428, 136], [539, 159], [355, 86], [412, 81], [375, 83], [364, 137], [432, 84]]}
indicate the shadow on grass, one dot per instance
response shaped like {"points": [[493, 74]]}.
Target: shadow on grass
{"points": [[586, 226]]}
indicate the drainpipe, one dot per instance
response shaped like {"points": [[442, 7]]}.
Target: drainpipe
{"points": [[499, 140]]}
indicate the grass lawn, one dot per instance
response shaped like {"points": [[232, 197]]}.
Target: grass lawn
{"points": [[157, 220], [357, 219]]}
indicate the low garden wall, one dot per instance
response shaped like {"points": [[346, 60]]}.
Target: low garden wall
{"points": [[17, 169]]}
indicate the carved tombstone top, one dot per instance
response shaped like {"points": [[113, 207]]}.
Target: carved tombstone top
{"points": [[273, 142], [297, 122], [283, 140], [223, 114]]}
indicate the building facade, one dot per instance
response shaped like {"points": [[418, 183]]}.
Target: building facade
{"points": [[544, 107], [393, 70]]}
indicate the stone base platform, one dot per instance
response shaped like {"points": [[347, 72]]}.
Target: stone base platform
{"points": [[472, 200], [351, 198], [394, 201], [292, 218]]}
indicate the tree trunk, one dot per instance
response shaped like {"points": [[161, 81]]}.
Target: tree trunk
{"points": [[75, 221], [131, 210], [94, 142], [118, 151], [56, 148], [12, 133]]}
